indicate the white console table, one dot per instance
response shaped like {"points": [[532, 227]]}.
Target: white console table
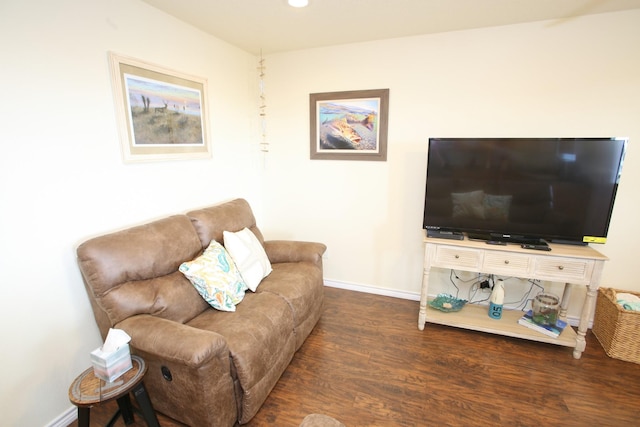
{"points": [[572, 265]]}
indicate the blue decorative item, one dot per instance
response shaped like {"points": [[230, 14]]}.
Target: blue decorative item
{"points": [[447, 303]]}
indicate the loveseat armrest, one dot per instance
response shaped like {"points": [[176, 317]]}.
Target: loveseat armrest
{"points": [[186, 367], [294, 251], [173, 341]]}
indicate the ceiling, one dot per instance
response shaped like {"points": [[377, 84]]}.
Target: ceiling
{"points": [[270, 26]]}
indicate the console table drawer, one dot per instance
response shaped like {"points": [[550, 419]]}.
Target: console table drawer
{"points": [[563, 269], [506, 263], [449, 257]]}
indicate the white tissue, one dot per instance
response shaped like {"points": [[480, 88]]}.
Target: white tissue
{"points": [[116, 338]]}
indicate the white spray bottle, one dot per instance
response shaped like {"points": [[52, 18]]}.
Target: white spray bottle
{"points": [[496, 300]]}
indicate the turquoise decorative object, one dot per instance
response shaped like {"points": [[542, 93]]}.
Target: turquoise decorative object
{"points": [[447, 303]]}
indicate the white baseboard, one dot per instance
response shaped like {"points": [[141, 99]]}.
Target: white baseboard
{"points": [[66, 418], [367, 289]]}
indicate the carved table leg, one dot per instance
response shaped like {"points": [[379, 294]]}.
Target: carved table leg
{"points": [[587, 311], [566, 297], [424, 293], [422, 315]]}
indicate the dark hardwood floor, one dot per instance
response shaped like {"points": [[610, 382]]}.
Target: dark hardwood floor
{"points": [[367, 364]]}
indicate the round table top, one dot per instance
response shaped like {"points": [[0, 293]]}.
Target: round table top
{"points": [[88, 389]]}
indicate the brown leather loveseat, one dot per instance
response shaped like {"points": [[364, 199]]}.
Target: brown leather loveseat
{"points": [[206, 367]]}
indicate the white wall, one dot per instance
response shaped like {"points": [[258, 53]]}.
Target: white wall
{"points": [[578, 77], [62, 179]]}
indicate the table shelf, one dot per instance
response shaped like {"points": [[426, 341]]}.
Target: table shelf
{"points": [[476, 318]]}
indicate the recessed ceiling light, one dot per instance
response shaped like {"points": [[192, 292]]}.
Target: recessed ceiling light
{"points": [[298, 3]]}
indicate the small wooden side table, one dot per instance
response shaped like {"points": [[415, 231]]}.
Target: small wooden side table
{"points": [[88, 390]]}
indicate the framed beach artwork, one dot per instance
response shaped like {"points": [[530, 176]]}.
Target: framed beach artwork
{"points": [[349, 125], [161, 113]]}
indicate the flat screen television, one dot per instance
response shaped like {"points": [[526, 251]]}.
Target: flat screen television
{"points": [[523, 190]]}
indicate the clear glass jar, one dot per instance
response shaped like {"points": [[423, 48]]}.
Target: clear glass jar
{"points": [[545, 309]]}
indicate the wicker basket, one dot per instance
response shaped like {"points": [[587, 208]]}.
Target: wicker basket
{"points": [[617, 329]]}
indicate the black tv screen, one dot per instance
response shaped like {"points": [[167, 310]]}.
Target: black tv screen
{"points": [[557, 189]]}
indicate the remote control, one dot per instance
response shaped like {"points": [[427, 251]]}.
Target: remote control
{"points": [[536, 247]]}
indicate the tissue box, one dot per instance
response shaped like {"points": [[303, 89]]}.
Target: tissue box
{"points": [[110, 365]]}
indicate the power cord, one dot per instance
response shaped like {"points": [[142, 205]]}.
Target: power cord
{"points": [[524, 301], [475, 281], [484, 283]]}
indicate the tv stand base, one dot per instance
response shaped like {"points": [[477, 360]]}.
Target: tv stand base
{"points": [[572, 265]]}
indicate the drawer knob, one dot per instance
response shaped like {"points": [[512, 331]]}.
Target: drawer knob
{"points": [[560, 267], [457, 256], [506, 261]]}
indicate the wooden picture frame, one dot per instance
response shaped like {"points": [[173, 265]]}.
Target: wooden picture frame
{"points": [[161, 113], [350, 125]]}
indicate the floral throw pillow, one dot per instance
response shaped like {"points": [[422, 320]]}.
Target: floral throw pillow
{"points": [[216, 277]]}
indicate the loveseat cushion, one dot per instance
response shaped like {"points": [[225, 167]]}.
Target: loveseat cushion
{"points": [[300, 285], [170, 297], [261, 342], [211, 222], [134, 271]]}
